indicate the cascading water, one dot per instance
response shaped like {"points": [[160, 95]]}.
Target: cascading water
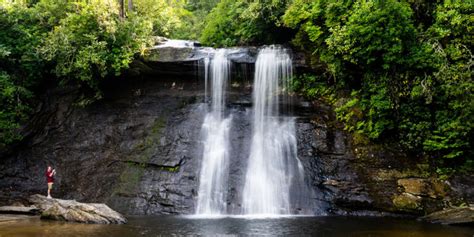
{"points": [[274, 169], [215, 133], [206, 77]]}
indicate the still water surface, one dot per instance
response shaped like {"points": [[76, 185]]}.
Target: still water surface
{"points": [[291, 226]]}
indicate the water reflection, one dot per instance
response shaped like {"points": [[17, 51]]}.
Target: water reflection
{"points": [[176, 225]]}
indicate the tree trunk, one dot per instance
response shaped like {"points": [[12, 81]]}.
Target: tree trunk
{"points": [[122, 9], [130, 5]]}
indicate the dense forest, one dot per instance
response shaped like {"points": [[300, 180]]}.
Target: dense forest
{"points": [[395, 71]]}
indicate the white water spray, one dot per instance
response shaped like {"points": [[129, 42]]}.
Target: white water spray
{"points": [[213, 184], [273, 163]]}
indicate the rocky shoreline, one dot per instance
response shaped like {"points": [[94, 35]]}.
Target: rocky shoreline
{"points": [[452, 216], [62, 210]]}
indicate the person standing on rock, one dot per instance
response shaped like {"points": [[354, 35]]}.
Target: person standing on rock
{"points": [[50, 172]]}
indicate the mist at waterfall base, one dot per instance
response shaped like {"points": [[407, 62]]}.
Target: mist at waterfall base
{"points": [[274, 183]]}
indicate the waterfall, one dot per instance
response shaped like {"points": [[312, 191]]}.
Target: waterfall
{"points": [[212, 192], [206, 77], [274, 180], [274, 169]]}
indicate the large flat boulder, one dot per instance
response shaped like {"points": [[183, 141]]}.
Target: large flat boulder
{"points": [[452, 216], [71, 210]]}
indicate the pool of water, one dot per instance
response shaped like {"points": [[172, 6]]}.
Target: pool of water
{"points": [[181, 225]]}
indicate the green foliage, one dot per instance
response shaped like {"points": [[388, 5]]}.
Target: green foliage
{"points": [[175, 19], [192, 19], [407, 65], [377, 36], [242, 22], [13, 110], [20, 65], [166, 17], [221, 24], [452, 86], [314, 87], [313, 22], [92, 43]]}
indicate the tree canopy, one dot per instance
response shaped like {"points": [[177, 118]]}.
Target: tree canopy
{"points": [[406, 74]]}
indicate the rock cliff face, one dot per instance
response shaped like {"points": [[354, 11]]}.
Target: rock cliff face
{"points": [[139, 149]]}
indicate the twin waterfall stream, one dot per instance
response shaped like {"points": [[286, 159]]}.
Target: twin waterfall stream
{"points": [[215, 130], [273, 169]]}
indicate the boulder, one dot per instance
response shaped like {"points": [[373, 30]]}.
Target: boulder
{"points": [[71, 210], [407, 202], [423, 187], [420, 195], [414, 186], [452, 216]]}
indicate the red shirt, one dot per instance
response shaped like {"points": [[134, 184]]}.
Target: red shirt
{"points": [[49, 176]]}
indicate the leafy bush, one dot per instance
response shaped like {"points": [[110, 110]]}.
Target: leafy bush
{"points": [[243, 22], [406, 74], [93, 42], [20, 67]]}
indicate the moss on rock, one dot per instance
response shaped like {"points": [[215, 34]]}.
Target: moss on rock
{"points": [[431, 188], [132, 174], [407, 202], [389, 174], [414, 186]]}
